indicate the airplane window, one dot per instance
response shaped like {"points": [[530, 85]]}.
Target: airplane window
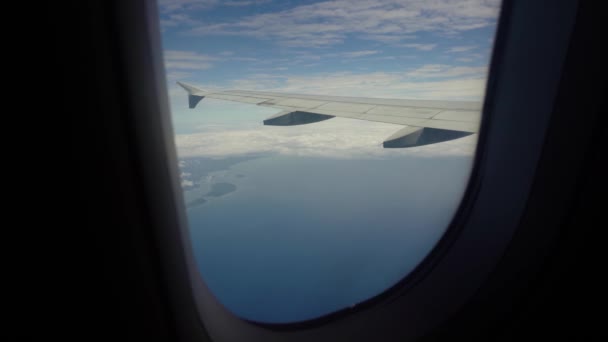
{"points": [[324, 146]]}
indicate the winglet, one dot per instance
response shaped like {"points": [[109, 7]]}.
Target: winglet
{"points": [[195, 95]]}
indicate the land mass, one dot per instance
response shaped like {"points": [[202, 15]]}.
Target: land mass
{"points": [[221, 189], [194, 169], [217, 190], [198, 201]]}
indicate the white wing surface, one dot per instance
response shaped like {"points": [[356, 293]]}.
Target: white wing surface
{"points": [[427, 122]]}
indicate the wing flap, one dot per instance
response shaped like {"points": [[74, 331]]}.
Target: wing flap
{"points": [[292, 118], [419, 136]]}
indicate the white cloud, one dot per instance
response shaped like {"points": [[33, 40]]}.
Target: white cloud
{"points": [[307, 56], [330, 22], [446, 71], [353, 54], [387, 38], [173, 75], [187, 60], [433, 81], [173, 20], [187, 5], [244, 59], [239, 3], [187, 65], [192, 5], [336, 138], [184, 55], [175, 13], [475, 55], [421, 47], [461, 48]]}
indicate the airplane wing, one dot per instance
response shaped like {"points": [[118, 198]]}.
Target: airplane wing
{"points": [[427, 122]]}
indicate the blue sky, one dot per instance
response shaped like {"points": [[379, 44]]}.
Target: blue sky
{"points": [[399, 49], [333, 176], [373, 48]]}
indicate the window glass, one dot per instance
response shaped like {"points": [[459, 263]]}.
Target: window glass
{"points": [[289, 223]]}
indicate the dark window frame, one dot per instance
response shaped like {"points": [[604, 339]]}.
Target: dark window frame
{"points": [[517, 112]]}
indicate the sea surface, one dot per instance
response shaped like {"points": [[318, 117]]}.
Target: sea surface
{"points": [[283, 239]]}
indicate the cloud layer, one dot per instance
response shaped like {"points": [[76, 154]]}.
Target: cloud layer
{"points": [[432, 81], [341, 139], [188, 60], [330, 22]]}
